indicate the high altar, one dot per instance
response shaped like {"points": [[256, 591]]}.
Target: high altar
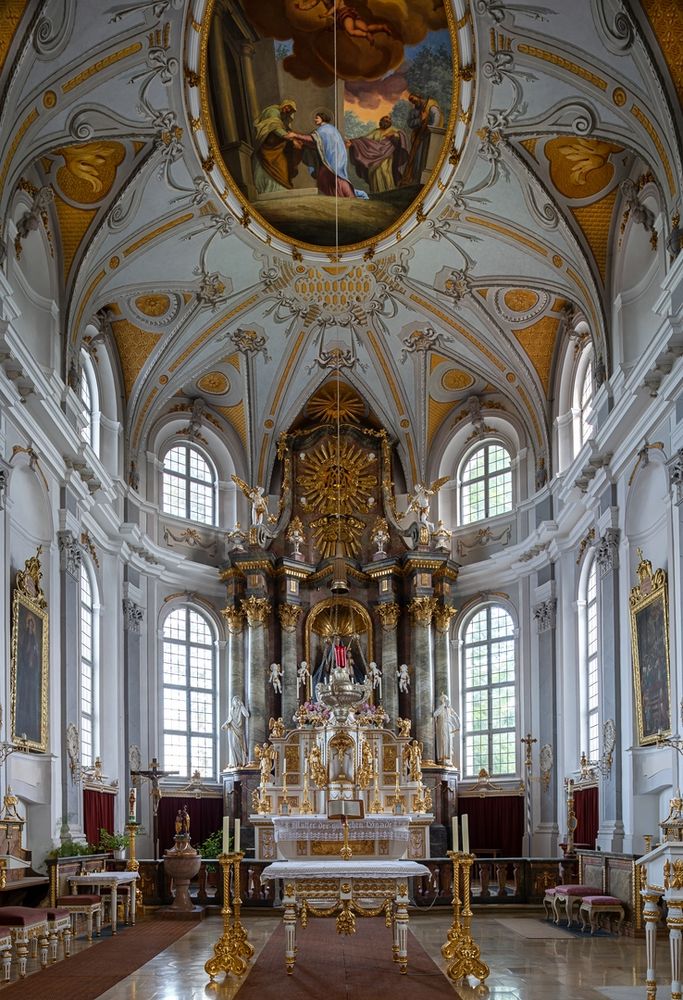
{"points": [[346, 572]]}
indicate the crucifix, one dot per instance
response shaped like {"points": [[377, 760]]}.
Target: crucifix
{"points": [[528, 742], [153, 774]]}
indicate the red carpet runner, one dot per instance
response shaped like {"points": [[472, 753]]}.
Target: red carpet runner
{"points": [[93, 971], [332, 967]]}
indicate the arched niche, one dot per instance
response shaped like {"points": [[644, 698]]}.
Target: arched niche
{"points": [[647, 512], [31, 514], [343, 617]]}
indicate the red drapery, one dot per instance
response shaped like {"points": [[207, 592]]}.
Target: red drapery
{"points": [[497, 822], [586, 809], [98, 814], [206, 816]]}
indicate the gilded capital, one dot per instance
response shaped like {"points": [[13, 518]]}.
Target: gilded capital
{"points": [[422, 609], [257, 610], [388, 615], [443, 615], [234, 618], [289, 616]]}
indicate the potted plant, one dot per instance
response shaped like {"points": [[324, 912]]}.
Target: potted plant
{"points": [[211, 848], [115, 842]]}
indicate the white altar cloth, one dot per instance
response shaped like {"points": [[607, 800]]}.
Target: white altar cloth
{"points": [[343, 869]]}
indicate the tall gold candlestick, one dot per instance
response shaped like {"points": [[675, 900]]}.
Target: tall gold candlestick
{"points": [[133, 865], [460, 949], [232, 948]]}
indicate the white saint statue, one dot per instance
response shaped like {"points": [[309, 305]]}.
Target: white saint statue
{"points": [[276, 677], [446, 725], [403, 678], [235, 726]]}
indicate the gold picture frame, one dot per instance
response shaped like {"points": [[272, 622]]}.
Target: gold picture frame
{"points": [[649, 610], [29, 668]]}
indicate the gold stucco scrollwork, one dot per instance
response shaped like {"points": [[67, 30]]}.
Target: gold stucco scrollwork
{"points": [[289, 615], [388, 614], [234, 618], [257, 610], [422, 610], [442, 617]]}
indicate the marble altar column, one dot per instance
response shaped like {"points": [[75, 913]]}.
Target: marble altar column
{"points": [[70, 558], [422, 667], [388, 614], [442, 650], [257, 610], [611, 826], [234, 619], [289, 615]]}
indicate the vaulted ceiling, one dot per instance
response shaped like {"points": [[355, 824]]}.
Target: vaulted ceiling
{"points": [[519, 228]]}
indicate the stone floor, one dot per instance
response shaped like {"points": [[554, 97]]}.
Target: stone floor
{"points": [[523, 967], [529, 959]]}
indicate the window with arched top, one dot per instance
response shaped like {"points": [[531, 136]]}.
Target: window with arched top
{"points": [[585, 399], [189, 693], [590, 661], [89, 396], [188, 485], [485, 483], [489, 693], [88, 668]]}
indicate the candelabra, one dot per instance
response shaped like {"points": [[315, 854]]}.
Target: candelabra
{"points": [[460, 949], [660, 739], [233, 949], [376, 804], [306, 804], [133, 865]]}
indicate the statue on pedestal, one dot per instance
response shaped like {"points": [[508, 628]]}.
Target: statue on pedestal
{"points": [[446, 724], [235, 726]]}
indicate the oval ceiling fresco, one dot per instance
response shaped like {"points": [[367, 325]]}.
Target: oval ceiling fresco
{"points": [[329, 121]]}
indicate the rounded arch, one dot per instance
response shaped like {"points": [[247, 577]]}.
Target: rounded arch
{"points": [[484, 481], [338, 616], [31, 510], [89, 661], [574, 390], [647, 508]]}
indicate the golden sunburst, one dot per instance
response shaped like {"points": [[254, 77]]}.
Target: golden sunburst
{"points": [[336, 401], [332, 484]]}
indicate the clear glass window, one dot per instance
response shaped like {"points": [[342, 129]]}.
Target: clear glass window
{"points": [[189, 485], [485, 483], [88, 676], [489, 694], [189, 694]]}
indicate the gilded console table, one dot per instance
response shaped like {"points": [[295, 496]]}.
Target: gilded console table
{"points": [[346, 889]]}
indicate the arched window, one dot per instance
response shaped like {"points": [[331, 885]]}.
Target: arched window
{"points": [[489, 693], [585, 400], [189, 693], [189, 485], [90, 399], [89, 675], [590, 687], [485, 483]]}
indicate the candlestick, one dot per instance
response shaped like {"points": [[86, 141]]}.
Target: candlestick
{"points": [[132, 794], [466, 834], [454, 829], [226, 834], [237, 836]]}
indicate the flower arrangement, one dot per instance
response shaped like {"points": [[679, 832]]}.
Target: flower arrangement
{"points": [[312, 713], [371, 715]]}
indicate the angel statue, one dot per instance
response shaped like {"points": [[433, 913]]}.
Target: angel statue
{"points": [[276, 677], [258, 500], [418, 500], [403, 677]]}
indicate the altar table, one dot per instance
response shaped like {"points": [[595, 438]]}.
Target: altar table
{"points": [[112, 881], [347, 889]]}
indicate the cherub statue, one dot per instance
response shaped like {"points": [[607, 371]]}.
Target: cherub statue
{"points": [[375, 676], [418, 500], [403, 676], [276, 677], [258, 500], [302, 675]]}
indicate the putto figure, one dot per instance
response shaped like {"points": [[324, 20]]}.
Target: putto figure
{"points": [[276, 677], [403, 676]]}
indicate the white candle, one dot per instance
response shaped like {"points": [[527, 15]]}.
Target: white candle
{"points": [[132, 810], [237, 835], [226, 834], [284, 765], [466, 834], [454, 828]]}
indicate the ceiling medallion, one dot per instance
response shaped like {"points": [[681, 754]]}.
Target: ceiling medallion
{"points": [[213, 383], [153, 305], [454, 380], [520, 305], [325, 183]]}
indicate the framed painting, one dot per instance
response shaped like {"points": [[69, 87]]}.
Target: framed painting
{"points": [[29, 659], [650, 650]]}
